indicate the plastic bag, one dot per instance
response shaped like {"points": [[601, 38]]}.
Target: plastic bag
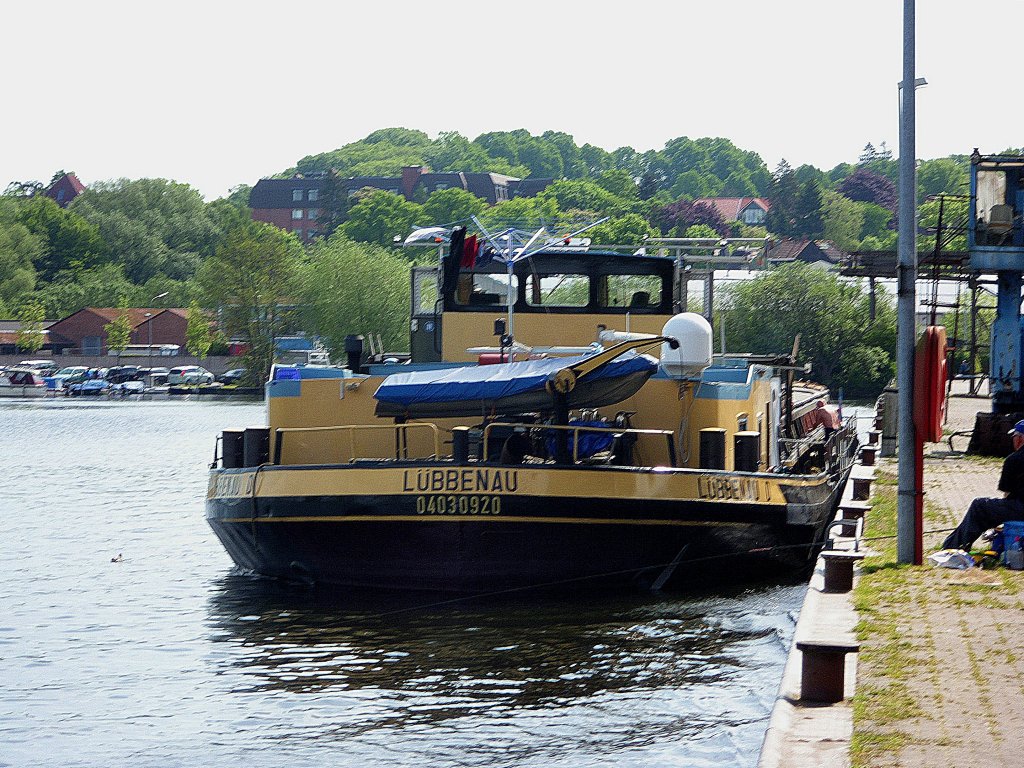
{"points": [[951, 558]]}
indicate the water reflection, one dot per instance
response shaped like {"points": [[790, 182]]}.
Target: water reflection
{"points": [[541, 676]]}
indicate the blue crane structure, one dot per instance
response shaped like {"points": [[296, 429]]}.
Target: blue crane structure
{"points": [[995, 242]]}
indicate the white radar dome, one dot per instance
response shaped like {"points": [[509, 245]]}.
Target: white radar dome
{"points": [[693, 355]]}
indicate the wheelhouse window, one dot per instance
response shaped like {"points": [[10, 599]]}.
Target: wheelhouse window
{"points": [[479, 289], [631, 292], [557, 290]]}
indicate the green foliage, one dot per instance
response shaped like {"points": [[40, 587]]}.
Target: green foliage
{"points": [[523, 212], [943, 175], [586, 196], [631, 229], [355, 288], [766, 313], [119, 332], [700, 230], [618, 183], [842, 220], [30, 337], [452, 205], [150, 226], [198, 336], [19, 250], [69, 241], [954, 216], [876, 221], [381, 216], [102, 286], [252, 277]]}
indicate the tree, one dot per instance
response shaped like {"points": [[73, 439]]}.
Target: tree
{"points": [[832, 317], [355, 288], [942, 175], [807, 212], [864, 185], [681, 215], [19, 250], [619, 183], [379, 217], [842, 220], [31, 336], [151, 226], [119, 332], [198, 337], [449, 206], [69, 241], [252, 278], [631, 229]]}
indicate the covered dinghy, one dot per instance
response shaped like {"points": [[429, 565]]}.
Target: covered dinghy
{"points": [[508, 388]]}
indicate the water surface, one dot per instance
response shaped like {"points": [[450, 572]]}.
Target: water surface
{"points": [[168, 658]]}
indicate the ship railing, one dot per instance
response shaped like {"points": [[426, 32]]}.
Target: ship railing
{"points": [[668, 434], [836, 451], [349, 434]]}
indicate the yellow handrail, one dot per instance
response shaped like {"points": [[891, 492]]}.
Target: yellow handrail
{"points": [[400, 431]]}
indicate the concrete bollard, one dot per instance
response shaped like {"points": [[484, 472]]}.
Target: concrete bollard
{"points": [[873, 436], [823, 673], [856, 510], [839, 570], [861, 488], [867, 455]]}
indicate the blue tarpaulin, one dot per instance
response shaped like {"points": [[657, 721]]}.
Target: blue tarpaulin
{"points": [[508, 387]]}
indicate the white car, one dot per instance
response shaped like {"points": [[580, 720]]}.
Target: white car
{"points": [[189, 374]]}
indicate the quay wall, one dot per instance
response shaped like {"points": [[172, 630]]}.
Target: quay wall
{"points": [[215, 365]]}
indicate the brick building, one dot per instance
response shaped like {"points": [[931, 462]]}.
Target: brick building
{"points": [[294, 204], [84, 332], [749, 210]]}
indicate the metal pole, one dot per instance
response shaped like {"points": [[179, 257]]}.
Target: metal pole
{"points": [[906, 303]]}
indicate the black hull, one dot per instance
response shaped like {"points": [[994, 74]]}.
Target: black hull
{"points": [[530, 542]]}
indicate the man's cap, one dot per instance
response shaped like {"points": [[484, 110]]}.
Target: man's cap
{"points": [[1018, 428]]}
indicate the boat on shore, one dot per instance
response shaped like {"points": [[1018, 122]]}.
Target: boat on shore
{"points": [[22, 382], [607, 466]]}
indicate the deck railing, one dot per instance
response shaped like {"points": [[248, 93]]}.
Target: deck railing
{"points": [[668, 434], [400, 431]]}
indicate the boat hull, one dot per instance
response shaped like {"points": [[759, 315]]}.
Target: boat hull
{"points": [[474, 529]]}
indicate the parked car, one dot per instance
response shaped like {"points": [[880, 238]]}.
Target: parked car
{"points": [[231, 377], [61, 378], [45, 366], [122, 373], [155, 377], [189, 374]]}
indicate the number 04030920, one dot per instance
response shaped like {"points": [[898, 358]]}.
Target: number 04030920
{"points": [[458, 505]]}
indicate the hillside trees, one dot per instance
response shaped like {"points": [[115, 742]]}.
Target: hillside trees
{"points": [[379, 217], [68, 240]]}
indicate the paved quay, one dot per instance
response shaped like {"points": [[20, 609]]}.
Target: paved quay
{"points": [[940, 679]]}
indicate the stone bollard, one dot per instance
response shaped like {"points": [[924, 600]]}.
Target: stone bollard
{"points": [[867, 455], [873, 436], [861, 488], [823, 674], [839, 570]]}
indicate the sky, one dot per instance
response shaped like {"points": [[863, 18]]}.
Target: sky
{"points": [[221, 93]]}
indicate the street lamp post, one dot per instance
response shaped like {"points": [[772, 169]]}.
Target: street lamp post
{"points": [[149, 349], [907, 544]]}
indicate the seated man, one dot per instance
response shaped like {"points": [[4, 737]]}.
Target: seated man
{"points": [[826, 417], [986, 513]]}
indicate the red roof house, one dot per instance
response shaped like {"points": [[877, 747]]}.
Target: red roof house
{"points": [[749, 210], [65, 189]]}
